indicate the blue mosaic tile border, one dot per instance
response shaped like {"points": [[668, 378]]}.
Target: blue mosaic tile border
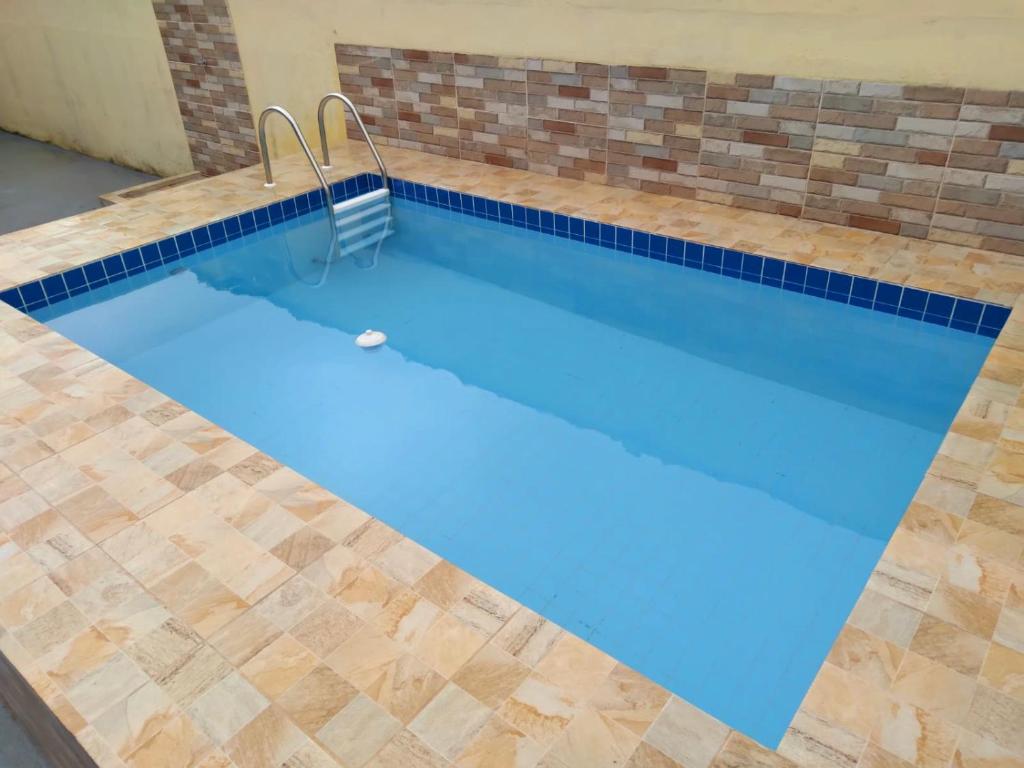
{"points": [[111, 269], [938, 308], [941, 309]]}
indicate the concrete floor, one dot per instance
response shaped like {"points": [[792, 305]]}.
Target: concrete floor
{"points": [[16, 748], [40, 182]]}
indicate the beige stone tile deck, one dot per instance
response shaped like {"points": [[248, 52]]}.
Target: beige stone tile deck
{"points": [[178, 598]]}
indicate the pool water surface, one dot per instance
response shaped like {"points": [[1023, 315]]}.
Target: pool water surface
{"points": [[694, 473]]}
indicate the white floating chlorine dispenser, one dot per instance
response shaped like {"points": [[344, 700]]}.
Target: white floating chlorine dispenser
{"points": [[370, 339]]}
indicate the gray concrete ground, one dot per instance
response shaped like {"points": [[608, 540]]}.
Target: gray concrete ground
{"points": [[40, 182], [16, 749]]}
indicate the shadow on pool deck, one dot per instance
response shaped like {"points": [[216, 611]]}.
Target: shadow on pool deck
{"points": [[40, 182]]}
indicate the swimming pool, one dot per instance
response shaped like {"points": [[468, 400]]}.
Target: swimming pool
{"points": [[695, 473]]}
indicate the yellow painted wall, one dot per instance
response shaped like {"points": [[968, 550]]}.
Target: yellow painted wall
{"points": [[91, 75], [287, 51], [287, 48], [960, 42]]}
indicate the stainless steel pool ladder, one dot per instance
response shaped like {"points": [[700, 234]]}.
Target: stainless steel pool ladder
{"points": [[331, 216], [358, 222], [363, 220], [334, 95]]}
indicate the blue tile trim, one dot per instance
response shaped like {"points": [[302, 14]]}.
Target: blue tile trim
{"points": [[941, 309], [12, 298]]}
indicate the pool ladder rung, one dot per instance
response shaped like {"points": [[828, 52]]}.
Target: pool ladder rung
{"points": [[355, 202]]}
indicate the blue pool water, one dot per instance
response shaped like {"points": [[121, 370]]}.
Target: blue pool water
{"points": [[694, 473]]}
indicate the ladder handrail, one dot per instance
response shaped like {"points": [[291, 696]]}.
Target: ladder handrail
{"points": [[359, 122], [272, 109]]}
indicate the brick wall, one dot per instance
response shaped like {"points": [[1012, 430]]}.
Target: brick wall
{"points": [[654, 128], [945, 164], [368, 79], [981, 200], [756, 145], [199, 40], [491, 97], [879, 151], [425, 101], [567, 119]]}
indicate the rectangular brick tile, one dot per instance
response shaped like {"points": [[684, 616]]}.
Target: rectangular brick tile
{"points": [[366, 77], [428, 118], [491, 93], [567, 118], [755, 147], [904, 131], [981, 203], [654, 128], [206, 71]]}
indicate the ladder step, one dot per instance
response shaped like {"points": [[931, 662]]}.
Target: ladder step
{"points": [[345, 250], [355, 202], [362, 214], [352, 231]]}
